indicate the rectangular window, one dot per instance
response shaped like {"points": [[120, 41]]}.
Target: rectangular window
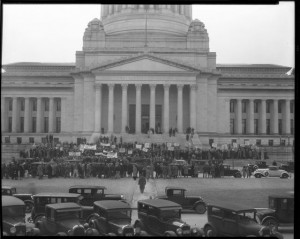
{"points": [[22, 105], [10, 105], [9, 124], [19, 140], [244, 108], [46, 126], [46, 105], [34, 105], [268, 126], [33, 124], [232, 126], [279, 107], [292, 126], [58, 124], [255, 106], [282, 142], [244, 126], [271, 142], [280, 126], [58, 105], [21, 124], [233, 141], [258, 142], [292, 107], [231, 106], [7, 140], [268, 106], [256, 126], [31, 140]]}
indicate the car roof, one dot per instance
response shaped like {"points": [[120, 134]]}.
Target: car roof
{"points": [[159, 203], [57, 195], [88, 186], [11, 201], [112, 204], [283, 195], [232, 206], [7, 187], [179, 188], [66, 205]]}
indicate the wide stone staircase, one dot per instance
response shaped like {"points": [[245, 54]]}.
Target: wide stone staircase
{"points": [[12, 150]]}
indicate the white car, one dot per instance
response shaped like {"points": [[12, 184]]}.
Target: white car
{"points": [[271, 171]]}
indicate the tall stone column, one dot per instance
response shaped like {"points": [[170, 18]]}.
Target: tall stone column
{"points": [[250, 128], [193, 108], [111, 108], [138, 113], [27, 115], [263, 117], [15, 115], [51, 115], [98, 104], [179, 108], [152, 106], [3, 115], [287, 117], [202, 104], [239, 116], [124, 107], [39, 115], [274, 126], [88, 103], [166, 108], [78, 103], [63, 114]]}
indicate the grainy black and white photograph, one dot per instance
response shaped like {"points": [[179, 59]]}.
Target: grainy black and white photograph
{"points": [[148, 120]]}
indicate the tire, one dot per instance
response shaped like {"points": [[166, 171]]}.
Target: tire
{"points": [[270, 222], [209, 231], [28, 206], [255, 167], [38, 218], [266, 174], [284, 175], [200, 208], [257, 175]]}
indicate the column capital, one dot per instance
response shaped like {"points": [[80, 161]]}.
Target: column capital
{"points": [[124, 86], [111, 86], [275, 100], [193, 86], [152, 86], [180, 87], [98, 86], [167, 86], [138, 86]]}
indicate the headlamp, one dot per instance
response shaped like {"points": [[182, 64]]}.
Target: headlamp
{"points": [[179, 231], [120, 231], [13, 230]]}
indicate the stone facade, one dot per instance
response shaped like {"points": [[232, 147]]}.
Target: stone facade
{"points": [[144, 67]]}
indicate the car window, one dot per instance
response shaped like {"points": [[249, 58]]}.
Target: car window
{"points": [[247, 217], [166, 215], [13, 191], [143, 208], [43, 200], [70, 214], [99, 191], [216, 212], [87, 191], [177, 192], [272, 203], [229, 215], [283, 204], [118, 214], [78, 190]]}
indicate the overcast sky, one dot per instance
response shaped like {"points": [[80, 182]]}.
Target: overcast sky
{"points": [[249, 34]]}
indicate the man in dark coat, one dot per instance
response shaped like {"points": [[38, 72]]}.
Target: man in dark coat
{"points": [[142, 183]]}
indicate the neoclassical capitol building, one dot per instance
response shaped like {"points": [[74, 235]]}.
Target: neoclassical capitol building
{"points": [[142, 67]]}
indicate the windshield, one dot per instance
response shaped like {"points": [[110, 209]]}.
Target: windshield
{"points": [[68, 215], [169, 214], [13, 211], [119, 214], [247, 217]]}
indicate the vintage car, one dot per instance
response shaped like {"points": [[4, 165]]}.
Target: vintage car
{"points": [[13, 218], [177, 195], [258, 164], [280, 213], [228, 171], [162, 218], [233, 220], [112, 218], [271, 171], [40, 201], [90, 194], [27, 198], [288, 166], [64, 219]]}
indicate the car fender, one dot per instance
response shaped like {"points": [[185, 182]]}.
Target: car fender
{"points": [[284, 173], [198, 202], [170, 233], [260, 173], [267, 218], [140, 222]]}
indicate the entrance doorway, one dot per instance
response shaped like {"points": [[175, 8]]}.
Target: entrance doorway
{"points": [[145, 118], [131, 119]]}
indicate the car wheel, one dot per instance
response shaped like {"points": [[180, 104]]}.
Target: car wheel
{"points": [[258, 175], [200, 208], [209, 232], [284, 175], [37, 218], [271, 223], [266, 174], [28, 206]]}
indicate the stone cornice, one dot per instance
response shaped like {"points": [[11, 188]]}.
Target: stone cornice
{"points": [[233, 75]]}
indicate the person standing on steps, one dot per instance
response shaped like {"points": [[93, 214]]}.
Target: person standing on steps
{"points": [[142, 183]]}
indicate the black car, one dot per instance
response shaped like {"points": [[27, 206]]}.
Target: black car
{"points": [[13, 218], [27, 198], [112, 218], [64, 219], [233, 220], [177, 195], [280, 213], [228, 171], [288, 166], [162, 218], [90, 194]]}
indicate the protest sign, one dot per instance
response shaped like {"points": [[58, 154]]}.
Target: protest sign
{"points": [[138, 146], [147, 145], [129, 151]]}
